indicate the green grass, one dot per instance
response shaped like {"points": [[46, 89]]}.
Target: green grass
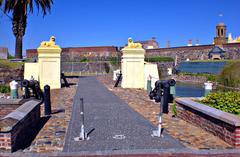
{"points": [[210, 77], [7, 64], [115, 61], [4, 89], [159, 59], [230, 76]]}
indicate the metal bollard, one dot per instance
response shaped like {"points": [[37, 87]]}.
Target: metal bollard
{"points": [[83, 135], [47, 101]]}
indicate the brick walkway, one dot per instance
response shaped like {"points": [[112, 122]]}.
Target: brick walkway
{"points": [[52, 135], [189, 135]]}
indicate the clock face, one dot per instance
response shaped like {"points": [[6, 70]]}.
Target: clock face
{"points": [[130, 40]]}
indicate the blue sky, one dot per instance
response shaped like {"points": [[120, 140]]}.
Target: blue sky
{"points": [[110, 22]]}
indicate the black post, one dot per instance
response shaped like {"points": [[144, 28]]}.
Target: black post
{"points": [[119, 78], [82, 111], [26, 94], [82, 133], [165, 97], [47, 100]]}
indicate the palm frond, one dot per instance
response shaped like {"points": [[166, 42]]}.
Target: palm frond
{"points": [[27, 5]]}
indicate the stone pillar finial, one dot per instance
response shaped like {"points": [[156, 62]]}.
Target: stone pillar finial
{"points": [[131, 44], [49, 44]]}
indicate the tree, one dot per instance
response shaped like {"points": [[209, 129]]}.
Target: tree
{"points": [[20, 10]]}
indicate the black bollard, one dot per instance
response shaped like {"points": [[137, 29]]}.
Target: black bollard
{"points": [[47, 101], [81, 111], [82, 133]]}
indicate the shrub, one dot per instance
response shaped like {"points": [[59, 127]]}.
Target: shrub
{"points": [[84, 60], [159, 59], [114, 61], [174, 109], [11, 57], [4, 89], [230, 76], [225, 101]]}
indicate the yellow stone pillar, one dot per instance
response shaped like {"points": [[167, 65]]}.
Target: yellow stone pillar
{"points": [[133, 65], [49, 60]]}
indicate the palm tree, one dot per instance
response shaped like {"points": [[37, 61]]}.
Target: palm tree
{"points": [[20, 10]]}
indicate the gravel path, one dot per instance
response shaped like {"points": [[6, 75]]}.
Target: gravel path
{"points": [[109, 116]]}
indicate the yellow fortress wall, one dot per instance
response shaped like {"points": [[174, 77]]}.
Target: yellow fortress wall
{"points": [[31, 70], [151, 70]]}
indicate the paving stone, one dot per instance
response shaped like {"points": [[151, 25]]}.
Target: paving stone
{"points": [[51, 137], [193, 136], [111, 118]]}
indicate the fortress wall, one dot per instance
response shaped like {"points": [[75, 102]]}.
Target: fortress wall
{"points": [[78, 53], [233, 50], [193, 52], [104, 52]]}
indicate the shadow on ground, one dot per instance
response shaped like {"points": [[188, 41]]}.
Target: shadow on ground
{"points": [[30, 134]]}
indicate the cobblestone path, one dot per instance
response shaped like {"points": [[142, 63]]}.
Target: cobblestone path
{"points": [[110, 117], [52, 135], [191, 136]]}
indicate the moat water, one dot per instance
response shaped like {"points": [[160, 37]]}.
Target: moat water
{"points": [[202, 67], [189, 90]]}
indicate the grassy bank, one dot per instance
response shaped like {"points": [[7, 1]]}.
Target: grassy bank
{"points": [[7, 64], [230, 76], [159, 59], [210, 77]]}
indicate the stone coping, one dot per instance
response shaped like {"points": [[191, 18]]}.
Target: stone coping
{"points": [[4, 101], [11, 101], [215, 113], [9, 121]]}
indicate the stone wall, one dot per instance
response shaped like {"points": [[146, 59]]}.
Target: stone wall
{"points": [[195, 52], [184, 52], [76, 54], [163, 68], [6, 74], [190, 78], [16, 127], [92, 53], [224, 125], [87, 67]]}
